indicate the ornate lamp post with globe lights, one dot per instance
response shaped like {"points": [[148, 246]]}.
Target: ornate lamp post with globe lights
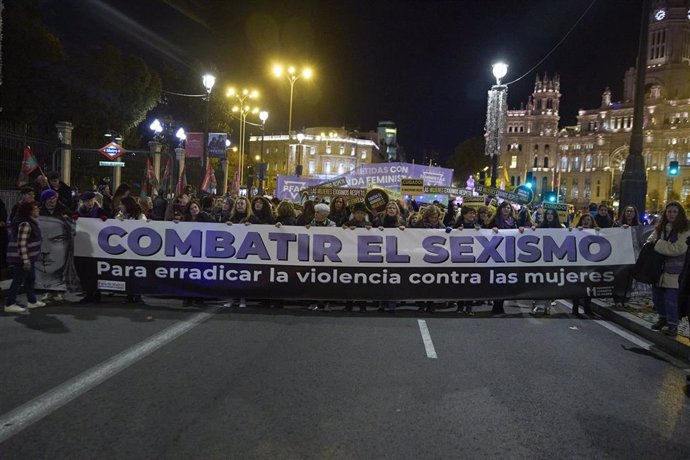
{"points": [[208, 80], [242, 109], [496, 118]]}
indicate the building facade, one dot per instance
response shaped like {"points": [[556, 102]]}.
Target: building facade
{"points": [[319, 152], [585, 162]]}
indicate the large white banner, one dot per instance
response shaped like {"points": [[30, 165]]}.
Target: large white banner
{"points": [[217, 260]]}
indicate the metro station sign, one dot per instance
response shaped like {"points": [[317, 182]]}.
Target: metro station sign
{"points": [[112, 151]]}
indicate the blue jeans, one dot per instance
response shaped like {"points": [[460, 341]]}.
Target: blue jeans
{"points": [[21, 276], [666, 303]]}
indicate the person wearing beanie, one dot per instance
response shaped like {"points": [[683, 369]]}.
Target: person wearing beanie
{"points": [[23, 251], [359, 217], [52, 207]]}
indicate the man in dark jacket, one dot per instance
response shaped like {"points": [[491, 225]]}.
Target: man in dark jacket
{"points": [[63, 190], [51, 206]]}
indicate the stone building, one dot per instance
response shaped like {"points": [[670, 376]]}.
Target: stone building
{"points": [[585, 162]]}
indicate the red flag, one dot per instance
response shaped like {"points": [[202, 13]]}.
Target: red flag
{"points": [[167, 176], [235, 187], [151, 174], [209, 183], [181, 182], [29, 165]]}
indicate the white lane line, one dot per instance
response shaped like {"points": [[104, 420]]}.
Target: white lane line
{"points": [[637, 341], [31, 412], [426, 337]]}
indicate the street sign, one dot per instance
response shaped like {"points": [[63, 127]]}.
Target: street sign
{"points": [[111, 163], [112, 151], [451, 191], [519, 196]]}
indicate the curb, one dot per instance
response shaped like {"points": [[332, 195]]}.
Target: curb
{"points": [[641, 328]]}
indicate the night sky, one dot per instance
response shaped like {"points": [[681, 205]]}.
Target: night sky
{"points": [[424, 64]]}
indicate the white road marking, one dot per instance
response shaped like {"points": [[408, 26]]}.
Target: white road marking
{"points": [[426, 337], [626, 335], [31, 412], [615, 329]]}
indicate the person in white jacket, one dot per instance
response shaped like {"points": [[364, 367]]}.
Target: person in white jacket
{"points": [[669, 239]]}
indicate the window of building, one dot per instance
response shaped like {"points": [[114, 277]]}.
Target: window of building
{"points": [[363, 155], [312, 167], [685, 190], [522, 129], [600, 160], [312, 150], [575, 191], [341, 168], [536, 148], [536, 161], [657, 46], [513, 161], [327, 167], [549, 103], [687, 159], [546, 161], [544, 183], [576, 163], [564, 163], [342, 149], [352, 152], [588, 162], [598, 188], [328, 148], [587, 192]]}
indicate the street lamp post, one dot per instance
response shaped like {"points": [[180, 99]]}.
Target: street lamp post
{"points": [[496, 118], [208, 80], [243, 109], [263, 116], [292, 76], [298, 168]]}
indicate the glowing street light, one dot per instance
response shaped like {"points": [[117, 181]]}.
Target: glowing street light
{"points": [[292, 76]]}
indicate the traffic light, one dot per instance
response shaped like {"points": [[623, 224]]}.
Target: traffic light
{"points": [[530, 180], [673, 168], [551, 196]]}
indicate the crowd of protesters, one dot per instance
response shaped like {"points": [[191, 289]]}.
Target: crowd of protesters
{"points": [[48, 196]]}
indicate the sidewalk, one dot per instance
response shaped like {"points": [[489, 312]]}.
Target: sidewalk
{"points": [[637, 315]]}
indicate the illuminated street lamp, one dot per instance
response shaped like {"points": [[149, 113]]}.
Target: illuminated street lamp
{"points": [[208, 80], [292, 76], [263, 116], [242, 109], [496, 118]]}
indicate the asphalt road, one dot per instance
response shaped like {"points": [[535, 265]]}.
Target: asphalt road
{"points": [[256, 383]]}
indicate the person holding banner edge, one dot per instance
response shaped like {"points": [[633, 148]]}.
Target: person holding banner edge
{"points": [[550, 220], [503, 219], [669, 239]]}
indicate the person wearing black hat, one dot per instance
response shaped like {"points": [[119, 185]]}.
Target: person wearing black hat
{"points": [[89, 208], [359, 217], [63, 190]]}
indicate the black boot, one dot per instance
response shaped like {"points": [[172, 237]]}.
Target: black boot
{"points": [[659, 324]]}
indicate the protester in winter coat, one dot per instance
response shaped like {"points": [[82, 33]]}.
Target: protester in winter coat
{"points": [[130, 209], [321, 219], [52, 207], [586, 221], [467, 218], [63, 190], [502, 220], [431, 218], [391, 217], [629, 216], [339, 212], [122, 191], [159, 206], [285, 214], [22, 253], [89, 208], [261, 212], [28, 195], [307, 214], [602, 217], [194, 213], [484, 217], [359, 217], [241, 211], [669, 239]]}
